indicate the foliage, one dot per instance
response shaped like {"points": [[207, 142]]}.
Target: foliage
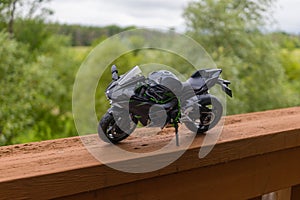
{"points": [[39, 63], [35, 88], [286, 41], [35, 93], [32, 32], [10, 10], [231, 31]]}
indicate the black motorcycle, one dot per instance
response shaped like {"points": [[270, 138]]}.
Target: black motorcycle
{"points": [[160, 100]]}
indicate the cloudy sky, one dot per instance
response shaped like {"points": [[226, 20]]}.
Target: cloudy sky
{"points": [[151, 13]]}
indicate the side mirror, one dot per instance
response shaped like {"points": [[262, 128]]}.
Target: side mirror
{"points": [[114, 73]]}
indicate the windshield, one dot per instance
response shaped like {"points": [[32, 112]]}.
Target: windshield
{"points": [[136, 71]]}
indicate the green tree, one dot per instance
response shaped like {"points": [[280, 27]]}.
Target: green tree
{"points": [[232, 32], [36, 93], [10, 10], [37, 72]]}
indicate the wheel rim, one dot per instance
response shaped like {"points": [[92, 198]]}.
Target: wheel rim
{"points": [[207, 117]]}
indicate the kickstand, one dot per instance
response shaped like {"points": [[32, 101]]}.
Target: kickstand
{"points": [[176, 133]]}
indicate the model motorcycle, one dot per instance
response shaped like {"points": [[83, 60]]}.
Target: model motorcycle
{"points": [[160, 100]]}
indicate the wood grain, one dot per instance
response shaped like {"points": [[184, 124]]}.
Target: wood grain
{"points": [[255, 154]]}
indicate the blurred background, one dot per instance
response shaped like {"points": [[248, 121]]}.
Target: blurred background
{"points": [[44, 42]]}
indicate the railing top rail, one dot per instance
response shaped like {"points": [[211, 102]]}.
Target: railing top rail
{"points": [[66, 161]]}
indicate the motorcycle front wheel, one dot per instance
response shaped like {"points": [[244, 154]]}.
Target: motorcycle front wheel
{"points": [[109, 131], [211, 111]]}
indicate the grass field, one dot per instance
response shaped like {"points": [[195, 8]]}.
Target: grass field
{"points": [[80, 52]]}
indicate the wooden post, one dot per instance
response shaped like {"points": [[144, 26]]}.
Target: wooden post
{"points": [[284, 194], [295, 193]]}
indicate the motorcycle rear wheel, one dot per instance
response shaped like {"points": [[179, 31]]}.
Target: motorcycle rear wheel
{"points": [[109, 131], [210, 115]]}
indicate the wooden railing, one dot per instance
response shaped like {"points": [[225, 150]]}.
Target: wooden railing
{"points": [[256, 154]]}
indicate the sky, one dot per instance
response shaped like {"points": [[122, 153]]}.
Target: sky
{"points": [[151, 13]]}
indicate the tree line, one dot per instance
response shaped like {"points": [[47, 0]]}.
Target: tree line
{"points": [[86, 35]]}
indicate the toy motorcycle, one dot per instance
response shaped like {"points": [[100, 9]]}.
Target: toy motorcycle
{"points": [[160, 100]]}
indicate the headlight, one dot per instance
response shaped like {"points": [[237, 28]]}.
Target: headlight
{"points": [[107, 94]]}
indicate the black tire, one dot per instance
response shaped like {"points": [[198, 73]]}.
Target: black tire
{"points": [[210, 115], [109, 131]]}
